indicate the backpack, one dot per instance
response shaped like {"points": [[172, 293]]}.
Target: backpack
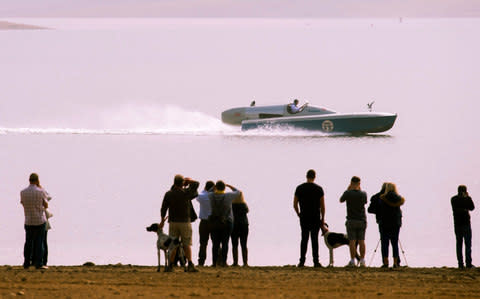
{"points": [[218, 215]]}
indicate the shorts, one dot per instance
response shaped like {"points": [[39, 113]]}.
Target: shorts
{"points": [[356, 229], [182, 230]]}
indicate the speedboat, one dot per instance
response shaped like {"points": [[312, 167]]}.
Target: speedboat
{"points": [[310, 118]]}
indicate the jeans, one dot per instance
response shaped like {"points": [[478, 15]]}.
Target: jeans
{"points": [[464, 233], [220, 234], [45, 249], [204, 231], [240, 231], [389, 235], [309, 230], [34, 248]]}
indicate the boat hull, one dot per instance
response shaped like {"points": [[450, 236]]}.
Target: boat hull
{"points": [[353, 123]]}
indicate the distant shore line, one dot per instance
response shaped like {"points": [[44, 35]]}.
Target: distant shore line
{"points": [[4, 25], [179, 269]]}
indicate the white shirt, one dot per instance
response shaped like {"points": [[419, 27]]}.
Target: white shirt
{"points": [[205, 207], [294, 108]]}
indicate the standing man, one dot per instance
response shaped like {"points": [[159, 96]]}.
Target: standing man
{"points": [[310, 197], [204, 227], [177, 202], [221, 219], [461, 205], [34, 201], [356, 219]]}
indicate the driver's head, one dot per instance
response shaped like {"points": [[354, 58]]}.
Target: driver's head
{"points": [[295, 102]]}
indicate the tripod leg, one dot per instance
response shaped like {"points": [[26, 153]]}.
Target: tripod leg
{"points": [[373, 254], [403, 252]]}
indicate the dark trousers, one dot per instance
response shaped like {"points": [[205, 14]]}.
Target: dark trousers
{"points": [[45, 249], [463, 233], [220, 235], [204, 231], [240, 232], [309, 230], [33, 249], [389, 235]]}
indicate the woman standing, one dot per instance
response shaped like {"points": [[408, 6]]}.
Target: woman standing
{"points": [[389, 221], [240, 229]]}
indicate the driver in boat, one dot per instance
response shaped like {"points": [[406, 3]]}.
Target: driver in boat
{"points": [[293, 107]]}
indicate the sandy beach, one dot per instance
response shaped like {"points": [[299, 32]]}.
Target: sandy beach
{"points": [[126, 281], [4, 25]]}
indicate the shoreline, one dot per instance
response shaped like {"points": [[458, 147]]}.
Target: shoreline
{"points": [[4, 25], [123, 281]]}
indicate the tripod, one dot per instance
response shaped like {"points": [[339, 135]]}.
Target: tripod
{"points": [[376, 248]]}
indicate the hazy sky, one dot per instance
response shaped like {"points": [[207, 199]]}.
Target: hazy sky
{"points": [[240, 8]]}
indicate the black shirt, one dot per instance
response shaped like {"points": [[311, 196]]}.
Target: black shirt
{"points": [[389, 213], [460, 206], [373, 208], [177, 203], [356, 200], [309, 195], [240, 211]]}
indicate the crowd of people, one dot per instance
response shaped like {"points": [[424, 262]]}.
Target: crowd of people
{"points": [[309, 205], [223, 217]]}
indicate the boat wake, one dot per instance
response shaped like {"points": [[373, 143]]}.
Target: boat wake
{"points": [[165, 120]]}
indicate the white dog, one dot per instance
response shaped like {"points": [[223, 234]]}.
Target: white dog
{"points": [[167, 244]]}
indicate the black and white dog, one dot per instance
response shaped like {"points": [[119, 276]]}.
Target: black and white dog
{"points": [[335, 240], [167, 244]]}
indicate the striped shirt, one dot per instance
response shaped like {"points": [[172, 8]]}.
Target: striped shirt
{"points": [[33, 198]]}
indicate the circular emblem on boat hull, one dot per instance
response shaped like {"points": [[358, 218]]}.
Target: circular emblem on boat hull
{"points": [[327, 126]]}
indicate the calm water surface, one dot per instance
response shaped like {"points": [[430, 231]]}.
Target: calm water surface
{"points": [[108, 111]]}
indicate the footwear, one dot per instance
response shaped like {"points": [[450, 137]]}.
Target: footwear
{"points": [[317, 265], [191, 268], [461, 266], [301, 265], [235, 256], [245, 257], [169, 268], [41, 268], [362, 264], [470, 266], [384, 266], [350, 264], [396, 262]]}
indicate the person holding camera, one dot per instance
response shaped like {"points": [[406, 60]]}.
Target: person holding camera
{"points": [[221, 219], [462, 203], [356, 223], [177, 201], [389, 216], [204, 226], [34, 201]]}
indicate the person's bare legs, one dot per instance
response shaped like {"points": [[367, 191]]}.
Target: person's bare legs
{"points": [[353, 248], [361, 244], [188, 252], [188, 255]]}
